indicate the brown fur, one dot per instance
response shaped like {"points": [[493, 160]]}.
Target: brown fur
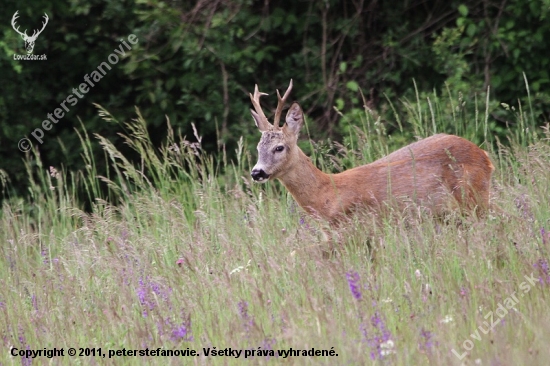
{"points": [[439, 173]]}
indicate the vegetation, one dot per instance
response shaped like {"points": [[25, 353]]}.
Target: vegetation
{"points": [[189, 258], [195, 62], [135, 224]]}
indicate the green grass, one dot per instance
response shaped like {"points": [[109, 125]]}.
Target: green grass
{"points": [[183, 251]]}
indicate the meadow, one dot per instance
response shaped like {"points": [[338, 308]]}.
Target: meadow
{"points": [[181, 251]]}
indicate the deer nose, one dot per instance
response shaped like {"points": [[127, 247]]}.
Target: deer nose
{"points": [[259, 174]]}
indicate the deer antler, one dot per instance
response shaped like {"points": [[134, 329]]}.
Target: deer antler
{"points": [[281, 104], [13, 19], [259, 116]]}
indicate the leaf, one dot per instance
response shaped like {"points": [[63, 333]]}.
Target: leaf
{"points": [[352, 85], [170, 83], [471, 30], [259, 56], [339, 104], [463, 10], [343, 66]]}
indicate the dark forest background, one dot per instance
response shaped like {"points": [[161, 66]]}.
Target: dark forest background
{"points": [[196, 62]]}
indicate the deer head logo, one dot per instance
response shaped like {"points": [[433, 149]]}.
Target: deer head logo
{"points": [[29, 41]]}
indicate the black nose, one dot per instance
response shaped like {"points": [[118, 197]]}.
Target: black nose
{"points": [[259, 174]]}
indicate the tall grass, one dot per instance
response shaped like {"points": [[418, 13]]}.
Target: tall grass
{"points": [[181, 250]]}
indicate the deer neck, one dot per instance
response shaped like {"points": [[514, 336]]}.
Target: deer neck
{"points": [[307, 184]]}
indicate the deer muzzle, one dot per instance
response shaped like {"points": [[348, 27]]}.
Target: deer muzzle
{"points": [[259, 175]]}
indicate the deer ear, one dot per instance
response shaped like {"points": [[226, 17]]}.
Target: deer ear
{"points": [[294, 119]]}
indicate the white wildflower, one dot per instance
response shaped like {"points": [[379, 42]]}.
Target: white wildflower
{"points": [[447, 319]]}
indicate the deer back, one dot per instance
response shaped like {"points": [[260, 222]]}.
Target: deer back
{"points": [[440, 172]]}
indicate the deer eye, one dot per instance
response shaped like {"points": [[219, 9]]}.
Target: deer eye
{"points": [[279, 148]]}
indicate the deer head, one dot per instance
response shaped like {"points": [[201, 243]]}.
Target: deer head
{"points": [[277, 148], [29, 41]]}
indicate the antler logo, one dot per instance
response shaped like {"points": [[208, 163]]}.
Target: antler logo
{"points": [[29, 41]]}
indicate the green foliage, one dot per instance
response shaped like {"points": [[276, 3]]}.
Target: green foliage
{"points": [[197, 62], [500, 41]]}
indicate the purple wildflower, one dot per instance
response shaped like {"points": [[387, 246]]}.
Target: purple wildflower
{"points": [[176, 331], [34, 302], [25, 361], [522, 205], [353, 282], [378, 324], [22, 339], [44, 254], [124, 235], [545, 235], [268, 345], [363, 329], [179, 333], [426, 342], [141, 292], [248, 321], [155, 288], [125, 277], [146, 300], [542, 265], [243, 309], [182, 332], [381, 344]]}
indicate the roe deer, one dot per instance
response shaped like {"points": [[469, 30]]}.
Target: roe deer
{"points": [[439, 172]]}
